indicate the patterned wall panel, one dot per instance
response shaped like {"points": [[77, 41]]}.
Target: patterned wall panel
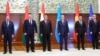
{"points": [[68, 6], [34, 9], [16, 6], [84, 5]]}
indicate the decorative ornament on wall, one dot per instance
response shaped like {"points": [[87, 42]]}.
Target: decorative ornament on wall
{"points": [[16, 6], [68, 6]]}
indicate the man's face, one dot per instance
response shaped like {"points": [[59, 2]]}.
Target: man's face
{"points": [[62, 17], [94, 16], [8, 18], [45, 17], [30, 16], [80, 18]]}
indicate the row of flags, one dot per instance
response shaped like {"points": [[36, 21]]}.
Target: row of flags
{"points": [[90, 18], [77, 12]]}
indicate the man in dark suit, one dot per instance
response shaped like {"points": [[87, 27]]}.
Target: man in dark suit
{"points": [[7, 34], [29, 29], [46, 31], [63, 31], [80, 29], [94, 31]]}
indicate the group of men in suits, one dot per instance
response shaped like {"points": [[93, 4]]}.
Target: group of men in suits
{"points": [[94, 31], [30, 30]]}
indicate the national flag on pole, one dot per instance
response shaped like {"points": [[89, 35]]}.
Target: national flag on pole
{"points": [[26, 12], [58, 19], [7, 9], [90, 18], [76, 19], [42, 18], [25, 18], [42, 12]]}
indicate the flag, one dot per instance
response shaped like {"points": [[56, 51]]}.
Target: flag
{"points": [[58, 19], [42, 12], [42, 18], [25, 18], [90, 18], [7, 9], [26, 12], [76, 19]]}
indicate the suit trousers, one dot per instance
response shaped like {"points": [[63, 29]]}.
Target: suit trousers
{"points": [[7, 39], [29, 42], [95, 40], [80, 40], [63, 38], [46, 41]]}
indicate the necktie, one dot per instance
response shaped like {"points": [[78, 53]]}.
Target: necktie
{"points": [[7, 22], [81, 22], [30, 21], [46, 22], [63, 22]]}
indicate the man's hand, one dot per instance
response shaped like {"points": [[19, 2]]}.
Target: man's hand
{"points": [[51, 33], [68, 33], [59, 33], [35, 34], [12, 36], [76, 33], [41, 34], [99, 32], [25, 33], [2, 36], [85, 33], [90, 32]]}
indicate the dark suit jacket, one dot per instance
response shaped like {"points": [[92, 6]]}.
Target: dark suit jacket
{"points": [[63, 28], [7, 29], [80, 28], [94, 27], [45, 28], [30, 28]]}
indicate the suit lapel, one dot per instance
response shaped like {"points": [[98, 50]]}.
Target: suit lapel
{"points": [[45, 23], [94, 22], [63, 23], [30, 22], [5, 23], [81, 23]]}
